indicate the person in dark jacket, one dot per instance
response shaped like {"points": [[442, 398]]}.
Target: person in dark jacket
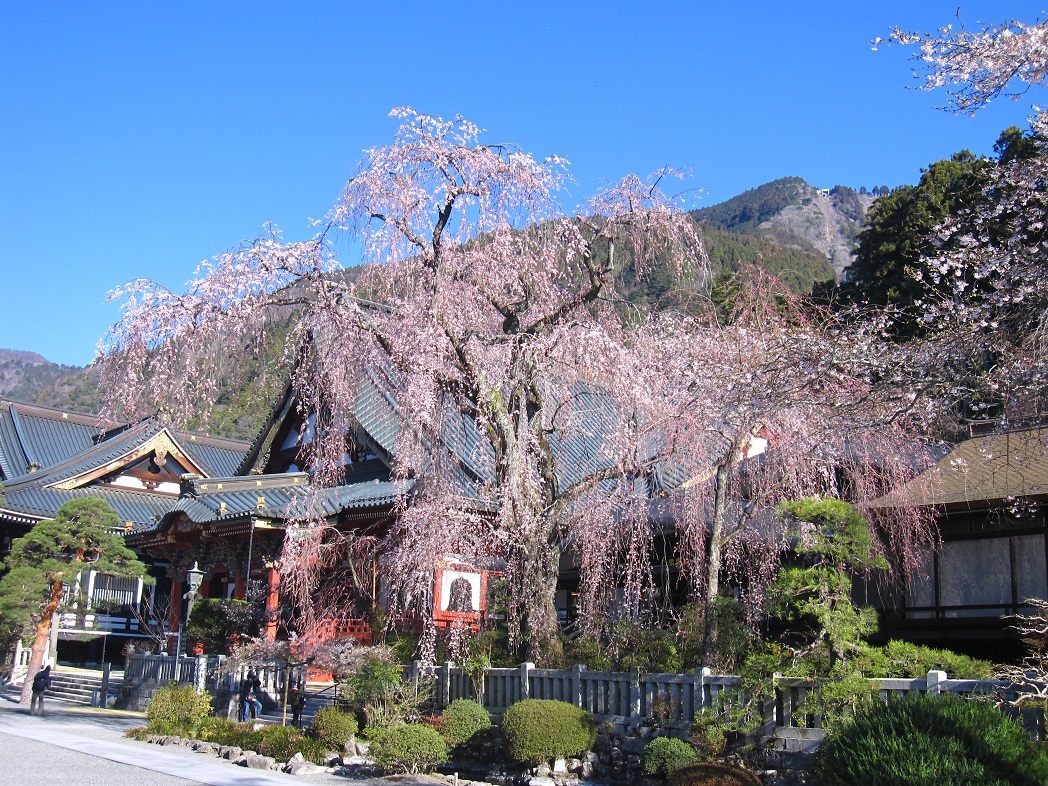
{"points": [[296, 700], [41, 683], [250, 688]]}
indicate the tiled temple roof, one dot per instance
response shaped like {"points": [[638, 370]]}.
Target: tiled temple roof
{"points": [[1000, 466]]}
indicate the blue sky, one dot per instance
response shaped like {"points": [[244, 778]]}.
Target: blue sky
{"points": [[137, 139]]}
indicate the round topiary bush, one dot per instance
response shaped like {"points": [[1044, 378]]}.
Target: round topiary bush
{"points": [[462, 719], [408, 747], [334, 728], [923, 739], [538, 730], [709, 774], [664, 755], [177, 709]]}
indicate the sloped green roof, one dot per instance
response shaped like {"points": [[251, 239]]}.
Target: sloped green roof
{"points": [[42, 447], [38, 502], [283, 496]]}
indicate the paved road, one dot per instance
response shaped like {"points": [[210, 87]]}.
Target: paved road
{"points": [[33, 763], [87, 746], [82, 746]]}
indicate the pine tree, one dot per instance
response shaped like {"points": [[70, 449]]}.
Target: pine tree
{"points": [[83, 534]]}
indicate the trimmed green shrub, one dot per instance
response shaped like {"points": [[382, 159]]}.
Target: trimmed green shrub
{"points": [[462, 719], [923, 739], [313, 751], [334, 728], [244, 737], [283, 742], [226, 731], [709, 774], [177, 708], [408, 747], [538, 730], [664, 755], [218, 730]]}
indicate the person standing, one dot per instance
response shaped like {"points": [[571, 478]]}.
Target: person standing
{"points": [[296, 700], [41, 683]]}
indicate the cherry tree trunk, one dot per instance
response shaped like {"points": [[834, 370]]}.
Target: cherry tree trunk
{"points": [[43, 630], [536, 586], [714, 547]]}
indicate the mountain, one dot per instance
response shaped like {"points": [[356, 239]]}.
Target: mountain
{"points": [[27, 376], [794, 214]]}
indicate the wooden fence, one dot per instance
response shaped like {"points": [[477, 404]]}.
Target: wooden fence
{"points": [[210, 673], [619, 697], [615, 697], [162, 669]]}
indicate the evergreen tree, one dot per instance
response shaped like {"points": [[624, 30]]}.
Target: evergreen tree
{"points": [[83, 534], [899, 233]]}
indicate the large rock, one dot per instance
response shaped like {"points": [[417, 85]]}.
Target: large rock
{"points": [[634, 746], [229, 752], [539, 780], [582, 767], [306, 768], [259, 762]]}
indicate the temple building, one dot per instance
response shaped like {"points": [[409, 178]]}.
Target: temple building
{"points": [[989, 495], [48, 457], [221, 505], [225, 506]]}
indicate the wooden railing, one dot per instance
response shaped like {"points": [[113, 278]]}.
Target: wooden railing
{"points": [[673, 698], [162, 669], [211, 674], [617, 697]]}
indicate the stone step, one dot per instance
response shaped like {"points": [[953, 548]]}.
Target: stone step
{"points": [[80, 687], [312, 705]]}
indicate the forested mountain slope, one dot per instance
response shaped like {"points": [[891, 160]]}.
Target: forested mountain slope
{"points": [[795, 214]]}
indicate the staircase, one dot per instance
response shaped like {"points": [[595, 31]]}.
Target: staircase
{"points": [[74, 687], [315, 700], [83, 687]]}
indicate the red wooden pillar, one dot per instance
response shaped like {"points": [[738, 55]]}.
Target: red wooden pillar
{"points": [[174, 611], [272, 603], [239, 587]]}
